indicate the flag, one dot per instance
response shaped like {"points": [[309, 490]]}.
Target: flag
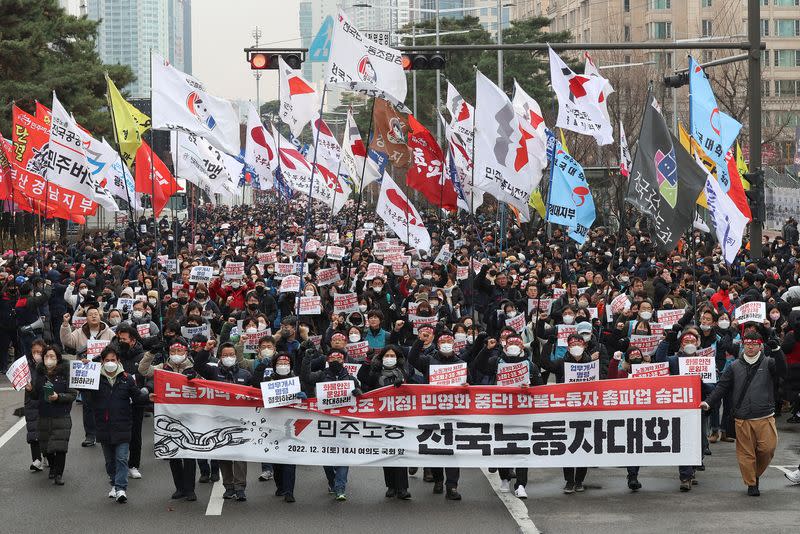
{"points": [[665, 181], [461, 112], [299, 102], [579, 101], [502, 166], [6, 148], [590, 69], [390, 131], [354, 154], [260, 152], [154, 179], [401, 216], [741, 166], [458, 166], [327, 159], [624, 153], [101, 158], [121, 184], [537, 203], [532, 122], [199, 162], [699, 223], [426, 173], [129, 123], [297, 173], [729, 222], [714, 130], [570, 202], [360, 64], [180, 102]]}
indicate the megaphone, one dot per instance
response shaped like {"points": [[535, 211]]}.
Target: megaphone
{"points": [[36, 325]]}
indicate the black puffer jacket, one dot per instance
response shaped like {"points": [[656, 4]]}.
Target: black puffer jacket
{"points": [[111, 404], [32, 409], [54, 424]]}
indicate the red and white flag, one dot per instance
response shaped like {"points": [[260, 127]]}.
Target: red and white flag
{"points": [[299, 101], [298, 174], [354, 156], [502, 163], [590, 69], [426, 173], [401, 216], [327, 160], [535, 131], [153, 178], [260, 151], [461, 111], [579, 98], [624, 153]]}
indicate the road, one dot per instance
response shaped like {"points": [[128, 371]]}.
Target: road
{"points": [[718, 502]]}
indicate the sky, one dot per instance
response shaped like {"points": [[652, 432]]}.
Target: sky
{"points": [[220, 32]]}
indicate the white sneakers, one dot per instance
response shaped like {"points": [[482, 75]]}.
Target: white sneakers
{"points": [[793, 476], [134, 473], [505, 486], [122, 497], [265, 475], [112, 494], [520, 492], [36, 465]]}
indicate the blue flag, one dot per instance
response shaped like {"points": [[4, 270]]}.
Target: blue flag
{"points": [[714, 130], [570, 202]]}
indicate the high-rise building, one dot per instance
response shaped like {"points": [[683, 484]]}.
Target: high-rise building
{"points": [[76, 8], [130, 29]]}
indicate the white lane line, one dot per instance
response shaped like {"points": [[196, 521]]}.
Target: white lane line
{"points": [[7, 389], [215, 501], [515, 506], [786, 470], [5, 438]]}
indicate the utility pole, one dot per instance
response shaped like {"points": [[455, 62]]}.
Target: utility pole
{"points": [[754, 96], [257, 73]]}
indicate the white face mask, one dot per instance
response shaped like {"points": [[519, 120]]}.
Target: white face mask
{"points": [[586, 337], [583, 304], [460, 336], [446, 348], [110, 367], [37, 358], [576, 350], [705, 327], [470, 339], [267, 353], [362, 308], [513, 350], [50, 363], [548, 281], [690, 348], [354, 338], [427, 276], [229, 361], [389, 361], [251, 330], [152, 301], [177, 359], [378, 288], [309, 292], [645, 315], [569, 319], [511, 314], [282, 370], [138, 314], [83, 292], [724, 324], [262, 325], [774, 316], [113, 321]]}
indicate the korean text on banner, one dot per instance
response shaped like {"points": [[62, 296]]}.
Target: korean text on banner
{"points": [[283, 392], [581, 372], [337, 394], [513, 374], [201, 273], [751, 311], [19, 374], [84, 375], [448, 375], [703, 366]]}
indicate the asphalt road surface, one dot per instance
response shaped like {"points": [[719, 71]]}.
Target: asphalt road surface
{"points": [[719, 503]]}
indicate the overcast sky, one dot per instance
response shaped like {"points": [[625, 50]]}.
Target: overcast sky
{"points": [[220, 32]]}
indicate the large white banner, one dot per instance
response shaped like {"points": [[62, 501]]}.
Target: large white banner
{"points": [[650, 421], [401, 216], [204, 165]]}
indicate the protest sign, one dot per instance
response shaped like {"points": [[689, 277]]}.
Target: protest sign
{"points": [[337, 394], [358, 351], [544, 305], [234, 270], [327, 277], [345, 303], [648, 370], [250, 341], [668, 318], [513, 374], [84, 375], [581, 372], [310, 305], [517, 322], [290, 248], [620, 304], [448, 375], [444, 257], [352, 368], [558, 291], [19, 374], [316, 340], [704, 366], [417, 321], [78, 322], [646, 344], [373, 270], [334, 253], [751, 312], [563, 331], [95, 346], [172, 266], [188, 332], [290, 284], [462, 272], [125, 304], [143, 330], [282, 392], [201, 273]]}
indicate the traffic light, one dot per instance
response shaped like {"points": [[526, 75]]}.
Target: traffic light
{"points": [[678, 80], [267, 59], [756, 194], [423, 61]]}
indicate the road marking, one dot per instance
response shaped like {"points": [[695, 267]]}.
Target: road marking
{"points": [[786, 470], [12, 431], [7, 389], [515, 506], [215, 501]]}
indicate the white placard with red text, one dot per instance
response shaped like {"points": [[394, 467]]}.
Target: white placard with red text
{"points": [[448, 375]]}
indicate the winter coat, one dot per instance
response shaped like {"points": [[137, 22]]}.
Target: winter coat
{"points": [[76, 339], [112, 403], [54, 423], [32, 409]]}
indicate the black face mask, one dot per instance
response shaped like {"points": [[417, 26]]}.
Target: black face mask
{"points": [[635, 361], [183, 300], [201, 296], [252, 306], [336, 367]]}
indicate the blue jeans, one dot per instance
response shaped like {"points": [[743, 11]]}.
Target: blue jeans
{"points": [[337, 478], [117, 464]]}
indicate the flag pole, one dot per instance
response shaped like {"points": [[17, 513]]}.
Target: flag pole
{"points": [[338, 168], [153, 200], [278, 157]]}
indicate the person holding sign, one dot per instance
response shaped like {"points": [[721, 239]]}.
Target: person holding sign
{"points": [[94, 328], [32, 406], [753, 379], [335, 372], [112, 403], [51, 389], [512, 367]]}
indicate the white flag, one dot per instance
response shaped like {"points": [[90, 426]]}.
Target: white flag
{"points": [[401, 216], [298, 174], [121, 183], [327, 158], [360, 64], [101, 158], [354, 154], [700, 224], [260, 151], [624, 153], [204, 165], [532, 122], [299, 101], [590, 69], [460, 110], [502, 166], [180, 102], [66, 162], [458, 166], [579, 101], [729, 222]]}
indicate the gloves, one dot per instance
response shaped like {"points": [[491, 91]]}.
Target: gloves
{"points": [[190, 374], [398, 382], [480, 340], [300, 395], [356, 392], [773, 344]]}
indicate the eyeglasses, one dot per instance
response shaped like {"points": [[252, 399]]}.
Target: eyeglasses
{"points": [[754, 342]]}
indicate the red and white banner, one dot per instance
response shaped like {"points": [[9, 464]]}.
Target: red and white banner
{"points": [[648, 422], [345, 303], [648, 370]]}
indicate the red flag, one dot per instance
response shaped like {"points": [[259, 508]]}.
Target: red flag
{"points": [[159, 183], [425, 173], [736, 191], [5, 168]]}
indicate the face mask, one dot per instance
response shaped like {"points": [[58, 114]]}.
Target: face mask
{"points": [[270, 271], [362, 308], [446, 348], [152, 302], [705, 327], [50, 363], [336, 367], [460, 336], [201, 297], [513, 350], [690, 348], [645, 315], [37, 358], [733, 296], [470, 339], [113, 321], [262, 325], [110, 367], [309, 292], [282, 370], [427, 276], [774, 316], [177, 359], [583, 304], [235, 285], [229, 361], [138, 314], [667, 306], [251, 330], [576, 350], [378, 289], [635, 361], [389, 361], [569, 319], [548, 281], [83, 292], [624, 280], [586, 337], [724, 324], [354, 338], [267, 353], [511, 314], [183, 300], [433, 303]]}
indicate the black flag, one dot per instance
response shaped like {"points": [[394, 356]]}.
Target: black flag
{"points": [[665, 180]]}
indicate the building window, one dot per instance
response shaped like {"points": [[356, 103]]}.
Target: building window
{"points": [[705, 3], [765, 85], [787, 28], [787, 88], [660, 30], [659, 4], [626, 6], [626, 33], [706, 28], [785, 3], [707, 56], [764, 28], [787, 58]]}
